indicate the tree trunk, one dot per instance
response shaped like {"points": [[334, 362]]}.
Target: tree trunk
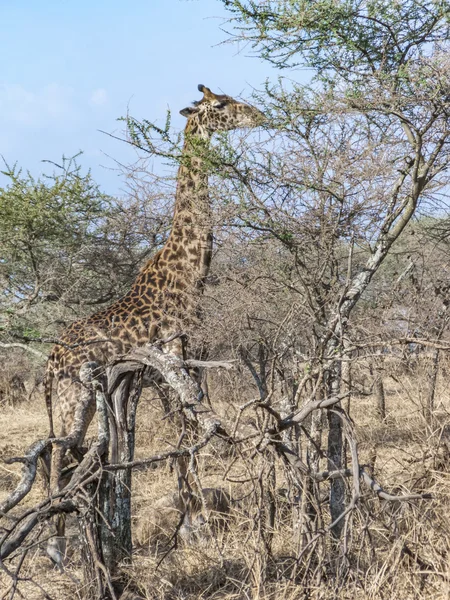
{"points": [[380, 395], [335, 446], [432, 378], [105, 526], [376, 371], [337, 488], [115, 530]]}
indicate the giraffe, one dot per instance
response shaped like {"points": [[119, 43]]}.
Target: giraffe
{"points": [[166, 290]]}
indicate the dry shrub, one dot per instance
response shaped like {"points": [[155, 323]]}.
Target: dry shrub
{"points": [[394, 550]]}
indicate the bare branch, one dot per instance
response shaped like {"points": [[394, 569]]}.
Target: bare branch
{"points": [[376, 487], [29, 470], [23, 347]]}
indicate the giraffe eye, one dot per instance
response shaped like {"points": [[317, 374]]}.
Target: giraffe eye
{"points": [[220, 105]]}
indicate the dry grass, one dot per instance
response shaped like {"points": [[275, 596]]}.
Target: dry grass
{"points": [[405, 452]]}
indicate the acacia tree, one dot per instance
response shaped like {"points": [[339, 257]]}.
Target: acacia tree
{"points": [[354, 154], [66, 248]]}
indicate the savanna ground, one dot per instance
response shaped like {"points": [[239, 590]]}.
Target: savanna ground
{"points": [[396, 550]]}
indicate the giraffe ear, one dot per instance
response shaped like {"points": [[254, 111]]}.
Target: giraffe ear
{"points": [[189, 111]]}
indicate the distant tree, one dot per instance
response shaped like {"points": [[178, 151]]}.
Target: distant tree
{"points": [[66, 247]]}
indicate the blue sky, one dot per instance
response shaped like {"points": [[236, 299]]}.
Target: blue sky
{"points": [[70, 69]]}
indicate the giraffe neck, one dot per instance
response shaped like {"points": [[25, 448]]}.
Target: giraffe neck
{"points": [[192, 229], [187, 252], [192, 207]]}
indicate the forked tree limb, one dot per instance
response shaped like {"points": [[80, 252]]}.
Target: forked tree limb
{"points": [[173, 370], [14, 538], [29, 471], [35, 451], [307, 409], [357, 472]]}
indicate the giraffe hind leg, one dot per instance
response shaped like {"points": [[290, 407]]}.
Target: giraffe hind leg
{"points": [[77, 408], [77, 403]]}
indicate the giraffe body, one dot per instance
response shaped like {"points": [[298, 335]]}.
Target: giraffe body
{"points": [[164, 296]]}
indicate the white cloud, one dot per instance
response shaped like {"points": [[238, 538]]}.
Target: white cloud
{"points": [[99, 97], [35, 108]]}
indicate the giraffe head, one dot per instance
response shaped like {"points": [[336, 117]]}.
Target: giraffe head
{"points": [[219, 112]]}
